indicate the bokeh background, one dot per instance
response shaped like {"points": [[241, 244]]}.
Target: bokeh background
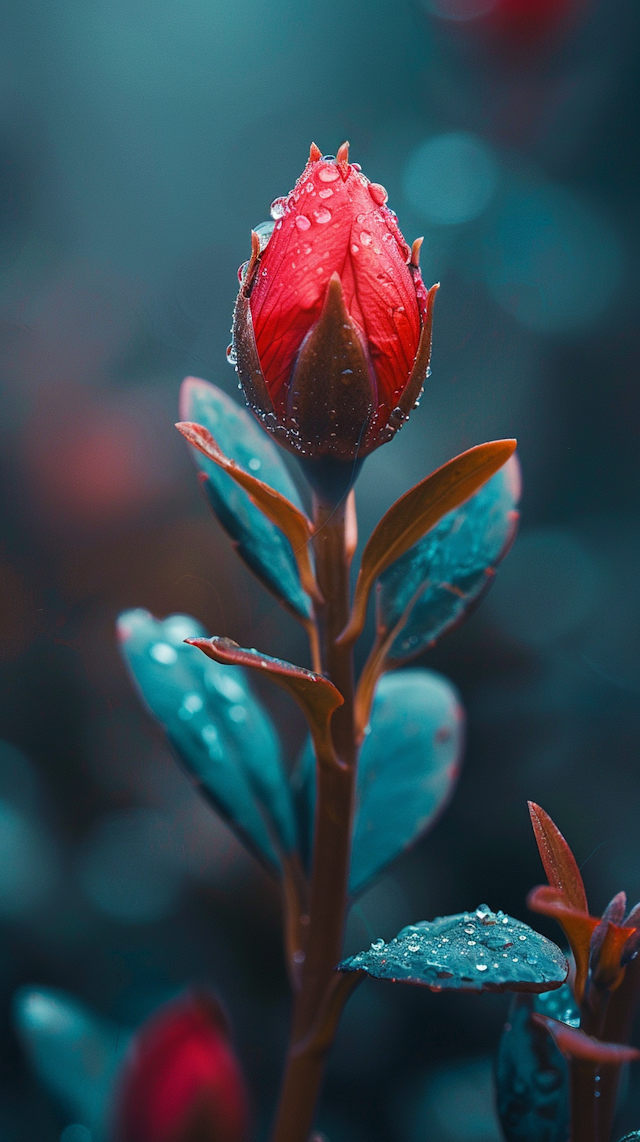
{"points": [[139, 142]]}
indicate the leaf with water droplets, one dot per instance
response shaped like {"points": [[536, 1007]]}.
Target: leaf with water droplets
{"points": [[220, 731], [315, 694], [261, 544], [76, 1054], [415, 513], [532, 1078], [471, 951], [450, 568]]}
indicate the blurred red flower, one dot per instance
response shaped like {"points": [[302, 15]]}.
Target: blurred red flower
{"points": [[182, 1079]]}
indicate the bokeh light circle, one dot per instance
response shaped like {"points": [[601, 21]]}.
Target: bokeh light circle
{"points": [[451, 178], [550, 259], [546, 587]]}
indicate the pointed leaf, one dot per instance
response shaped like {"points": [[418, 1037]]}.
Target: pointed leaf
{"points": [[471, 951], [532, 1077], [577, 926], [574, 1044], [75, 1054], [558, 861], [276, 507], [417, 511], [408, 766], [316, 696], [454, 564], [262, 545], [220, 731]]}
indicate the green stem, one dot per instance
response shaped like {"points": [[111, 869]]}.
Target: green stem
{"points": [[314, 1017]]}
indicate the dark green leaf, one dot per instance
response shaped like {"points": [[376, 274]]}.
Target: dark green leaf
{"points": [[472, 951], [454, 563], [261, 544], [219, 730], [532, 1080], [407, 769]]}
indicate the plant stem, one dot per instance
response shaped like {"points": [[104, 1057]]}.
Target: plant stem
{"points": [[583, 1101], [314, 1018]]}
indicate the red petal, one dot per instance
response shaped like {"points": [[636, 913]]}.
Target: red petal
{"points": [[333, 224], [181, 1065]]}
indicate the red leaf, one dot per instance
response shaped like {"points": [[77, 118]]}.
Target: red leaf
{"points": [[557, 858], [574, 1044], [578, 928]]}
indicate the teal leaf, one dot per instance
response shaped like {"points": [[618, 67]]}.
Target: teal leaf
{"points": [[532, 1077], [451, 567], [408, 766], [262, 546], [75, 1054], [220, 731], [471, 951]]}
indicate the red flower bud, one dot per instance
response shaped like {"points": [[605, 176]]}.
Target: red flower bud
{"points": [[332, 326], [182, 1080]]}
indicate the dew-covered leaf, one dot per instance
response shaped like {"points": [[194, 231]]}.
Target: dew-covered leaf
{"points": [[415, 513], [471, 951], [75, 1054], [220, 731], [450, 568], [532, 1078], [407, 769], [317, 697], [262, 545]]}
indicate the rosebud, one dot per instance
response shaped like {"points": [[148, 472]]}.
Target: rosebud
{"points": [[332, 325], [182, 1081]]}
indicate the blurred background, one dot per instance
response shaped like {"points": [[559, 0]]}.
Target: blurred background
{"points": [[139, 142]]}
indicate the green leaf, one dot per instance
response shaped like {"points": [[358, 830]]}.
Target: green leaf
{"points": [[262, 545], [408, 766], [472, 951], [220, 731], [454, 564], [75, 1054], [532, 1078], [415, 513]]}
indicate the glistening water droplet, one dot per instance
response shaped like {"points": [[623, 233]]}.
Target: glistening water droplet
{"points": [[302, 222], [322, 216], [231, 354], [378, 193], [278, 207], [328, 174]]}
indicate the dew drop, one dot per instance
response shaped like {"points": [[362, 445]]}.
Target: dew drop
{"points": [[264, 232], [326, 193], [378, 193], [255, 464], [356, 166], [481, 967], [366, 238], [278, 208], [354, 248], [328, 174], [231, 354], [322, 216], [242, 271], [377, 945], [302, 222], [360, 218]]}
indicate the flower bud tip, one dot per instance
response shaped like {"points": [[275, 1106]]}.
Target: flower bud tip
{"points": [[315, 154], [415, 252], [342, 157]]}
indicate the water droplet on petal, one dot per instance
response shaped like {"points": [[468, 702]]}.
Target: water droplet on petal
{"points": [[366, 238], [264, 232], [302, 222], [278, 207], [231, 354], [378, 193], [354, 249], [328, 174], [322, 216], [326, 193], [242, 271]]}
